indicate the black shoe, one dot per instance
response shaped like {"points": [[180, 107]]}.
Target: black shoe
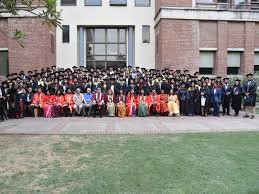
{"points": [[236, 115], [252, 117], [246, 116]]}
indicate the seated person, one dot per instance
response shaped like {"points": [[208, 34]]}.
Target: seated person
{"points": [[121, 104], [154, 103], [38, 102], [98, 104], [68, 106], [110, 103], [131, 101], [87, 107], [78, 99], [142, 102], [59, 102]]}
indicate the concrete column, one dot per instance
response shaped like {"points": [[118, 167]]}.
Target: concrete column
{"points": [[221, 55], [81, 46], [131, 46], [247, 65]]}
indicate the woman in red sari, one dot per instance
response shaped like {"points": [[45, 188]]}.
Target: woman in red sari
{"points": [[49, 108], [59, 102], [163, 103], [68, 106], [131, 104]]}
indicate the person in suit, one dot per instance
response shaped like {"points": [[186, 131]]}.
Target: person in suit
{"points": [[216, 99], [226, 96], [249, 90], [236, 97]]}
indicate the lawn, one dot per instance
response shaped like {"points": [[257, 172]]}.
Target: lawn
{"points": [[183, 163]]}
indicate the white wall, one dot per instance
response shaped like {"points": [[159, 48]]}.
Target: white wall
{"points": [[106, 15]]}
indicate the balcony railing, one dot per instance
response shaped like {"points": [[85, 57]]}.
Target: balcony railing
{"points": [[253, 5]]}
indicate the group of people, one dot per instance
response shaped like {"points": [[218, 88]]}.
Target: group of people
{"points": [[127, 91]]}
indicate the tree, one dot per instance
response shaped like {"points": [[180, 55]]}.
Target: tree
{"points": [[44, 9]]}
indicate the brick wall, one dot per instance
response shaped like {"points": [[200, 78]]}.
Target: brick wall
{"points": [[3, 31], [257, 35], [172, 3], [208, 34], [36, 53], [179, 45], [236, 34]]}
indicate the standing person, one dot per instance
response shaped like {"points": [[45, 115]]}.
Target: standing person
{"points": [[131, 103], [204, 99], [38, 102], [226, 94], [183, 96], [236, 97], [142, 104], [249, 90], [78, 99], [173, 103], [110, 103], [163, 103], [87, 102], [216, 97], [154, 103], [68, 106], [2, 98], [192, 98], [98, 103], [121, 104]]}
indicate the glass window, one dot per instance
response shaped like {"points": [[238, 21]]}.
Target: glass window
{"points": [[4, 63], [146, 34], [90, 35], [99, 35], [234, 59], [144, 3], [122, 35], [90, 50], [205, 71], [68, 2], [122, 49], [65, 33], [118, 2], [112, 49], [207, 59], [99, 49], [112, 35], [93, 2], [233, 70], [100, 65]]}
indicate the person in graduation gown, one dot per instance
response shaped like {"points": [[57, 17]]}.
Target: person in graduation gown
{"points": [[131, 105], [98, 104], [19, 102], [154, 105], [27, 102], [173, 103], [204, 99], [192, 98], [236, 97], [110, 102], [121, 104], [68, 106], [59, 102], [142, 104], [183, 94], [49, 110], [38, 102], [216, 99], [163, 103], [226, 95], [249, 90]]}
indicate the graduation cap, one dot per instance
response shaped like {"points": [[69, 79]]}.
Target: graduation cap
{"points": [[249, 74], [212, 78], [237, 80], [29, 71], [218, 77], [74, 67], [186, 71], [226, 78]]}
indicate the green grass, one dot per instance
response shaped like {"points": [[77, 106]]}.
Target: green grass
{"points": [[184, 163]]}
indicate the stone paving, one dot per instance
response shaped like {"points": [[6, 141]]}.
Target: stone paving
{"points": [[136, 125]]}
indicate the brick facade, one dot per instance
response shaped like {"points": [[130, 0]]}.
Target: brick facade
{"points": [[172, 3], [36, 53]]}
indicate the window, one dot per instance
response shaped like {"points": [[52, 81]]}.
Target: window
{"points": [[233, 63], [118, 2], [52, 43], [4, 63], [142, 3], [65, 33], [207, 59], [68, 2], [146, 34], [93, 2], [106, 47], [256, 62]]}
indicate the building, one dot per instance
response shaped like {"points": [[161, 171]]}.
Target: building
{"points": [[218, 37], [106, 33], [215, 37]]}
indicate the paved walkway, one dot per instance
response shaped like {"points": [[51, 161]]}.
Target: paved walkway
{"points": [[152, 125]]}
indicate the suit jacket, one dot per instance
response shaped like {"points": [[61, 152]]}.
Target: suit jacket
{"points": [[216, 97]]}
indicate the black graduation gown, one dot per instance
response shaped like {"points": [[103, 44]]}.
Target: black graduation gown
{"points": [[236, 97]]}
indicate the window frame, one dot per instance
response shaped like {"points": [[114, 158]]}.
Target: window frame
{"points": [[143, 41], [118, 4], [63, 40], [138, 5], [93, 4], [206, 68], [71, 4]]}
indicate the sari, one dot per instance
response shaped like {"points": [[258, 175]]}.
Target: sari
{"points": [[142, 102], [173, 105], [110, 106], [163, 104], [131, 105], [121, 106], [49, 110]]}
